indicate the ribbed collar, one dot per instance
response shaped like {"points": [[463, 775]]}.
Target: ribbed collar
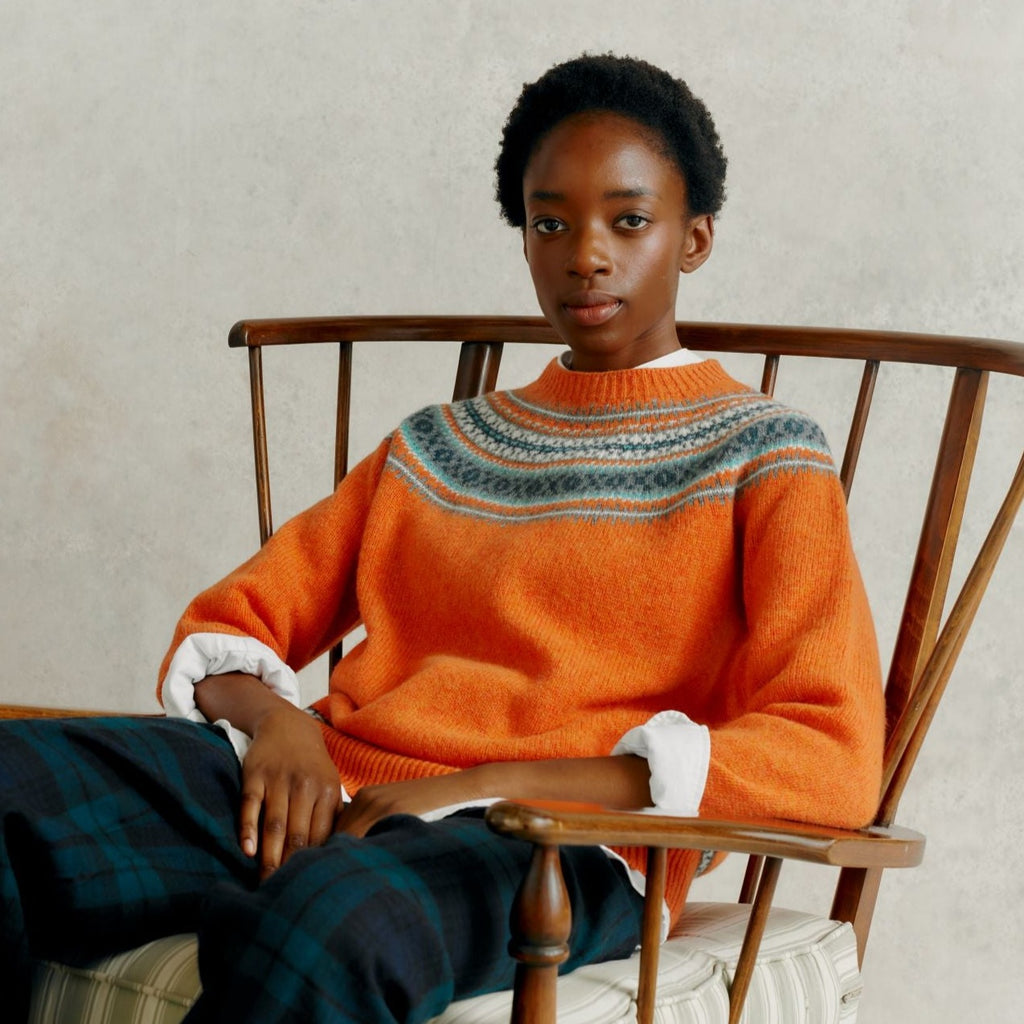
{"points": [[677, 357], [627, 389]]}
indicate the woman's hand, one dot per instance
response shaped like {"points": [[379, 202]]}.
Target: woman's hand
{"points": [[415, 796], [290, 788]]}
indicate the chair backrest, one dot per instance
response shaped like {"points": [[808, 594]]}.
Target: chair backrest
{"points": [[928, 641]]}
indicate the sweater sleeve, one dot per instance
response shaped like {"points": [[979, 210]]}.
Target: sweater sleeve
{"points": [[801, 728], [294, 598]]}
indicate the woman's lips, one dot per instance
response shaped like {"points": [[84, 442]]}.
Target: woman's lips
{"points": [[591, 310]]}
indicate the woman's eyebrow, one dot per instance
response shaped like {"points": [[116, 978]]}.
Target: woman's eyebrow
{"points": [[543, 195], [631, 193]]}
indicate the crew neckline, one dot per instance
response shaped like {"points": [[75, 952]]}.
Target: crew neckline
{"points": [[679, 357], [633, 387]]}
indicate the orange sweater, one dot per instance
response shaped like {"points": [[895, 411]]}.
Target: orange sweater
{"points": [[541, 570]]}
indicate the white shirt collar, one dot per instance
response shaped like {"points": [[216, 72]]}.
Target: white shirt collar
{"points": [[680, 357]]}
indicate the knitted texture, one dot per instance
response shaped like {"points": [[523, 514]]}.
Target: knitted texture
{"points": [[543, 569]]}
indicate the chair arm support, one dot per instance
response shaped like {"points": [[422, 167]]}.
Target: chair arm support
{"points": [[553, 823]]}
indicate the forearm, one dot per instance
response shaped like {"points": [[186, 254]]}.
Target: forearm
{"points": [[243, 700], [621, 782]]}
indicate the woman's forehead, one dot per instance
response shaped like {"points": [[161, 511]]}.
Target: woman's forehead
{"points": [[601, 147]]}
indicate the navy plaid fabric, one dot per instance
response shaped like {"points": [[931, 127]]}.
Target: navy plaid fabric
{"points": [[112, 832], [116, 831], [394, 926]]}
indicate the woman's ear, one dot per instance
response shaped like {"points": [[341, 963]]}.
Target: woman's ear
{"points": [[700, 236]]}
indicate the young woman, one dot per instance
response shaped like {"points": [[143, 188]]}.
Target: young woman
{"points": [[629, 582]]}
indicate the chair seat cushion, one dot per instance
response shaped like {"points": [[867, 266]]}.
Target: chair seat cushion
{"points": [[806, 974], [154, 984]]}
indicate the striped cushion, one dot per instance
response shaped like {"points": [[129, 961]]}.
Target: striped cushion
{"points": [[806, 974], [154, 984]]}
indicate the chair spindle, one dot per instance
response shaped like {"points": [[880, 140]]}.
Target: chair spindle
{"points": [[752, 875], [858, 425], [769, 374], [752, 939], [650, 946], [259, 442], [910, 730], [477, 372], [940, 529], [342, 411]]}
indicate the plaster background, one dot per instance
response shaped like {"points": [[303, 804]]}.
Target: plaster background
{"points": [[170, 168]]}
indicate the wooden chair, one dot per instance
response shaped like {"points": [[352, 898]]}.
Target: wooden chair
{"points": [[926, 648]]}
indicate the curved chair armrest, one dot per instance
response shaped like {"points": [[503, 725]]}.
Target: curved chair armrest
{"points": [[551, 823]]}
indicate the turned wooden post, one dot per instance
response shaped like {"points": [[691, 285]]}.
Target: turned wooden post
{"points": [[540, 922]]}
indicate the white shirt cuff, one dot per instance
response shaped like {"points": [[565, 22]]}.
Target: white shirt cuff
{"points": [[678, 752], [213, 654]]}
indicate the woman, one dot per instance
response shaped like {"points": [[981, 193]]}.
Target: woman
{"points": [[629, 582]]}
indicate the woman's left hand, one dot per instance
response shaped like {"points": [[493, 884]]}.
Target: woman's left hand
{"points": [[415, 796]]}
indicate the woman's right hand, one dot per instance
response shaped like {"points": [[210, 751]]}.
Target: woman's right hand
{"points": [[290, 786]]}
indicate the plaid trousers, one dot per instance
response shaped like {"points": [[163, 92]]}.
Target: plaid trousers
{"points": [[117, 831]]}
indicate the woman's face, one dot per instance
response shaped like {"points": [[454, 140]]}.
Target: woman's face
{"points": [[608, 232]]}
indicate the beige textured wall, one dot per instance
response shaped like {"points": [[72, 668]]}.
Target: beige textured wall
{"points": [[169, 168]]}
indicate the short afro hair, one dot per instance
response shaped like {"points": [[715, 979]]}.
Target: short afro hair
{"points": [[626, 86]]}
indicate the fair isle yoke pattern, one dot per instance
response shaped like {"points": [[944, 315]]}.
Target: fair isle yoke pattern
{"points": [[502, 456]]}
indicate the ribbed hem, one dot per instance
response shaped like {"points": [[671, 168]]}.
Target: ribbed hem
{"points": [[627, 389], [362, 764]]}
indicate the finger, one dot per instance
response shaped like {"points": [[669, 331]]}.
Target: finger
{"points": [[275, 826], [300, 813], [249, 819], [322, 822]]}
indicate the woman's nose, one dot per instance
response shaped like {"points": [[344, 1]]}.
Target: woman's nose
{"points": [[589, 254]]}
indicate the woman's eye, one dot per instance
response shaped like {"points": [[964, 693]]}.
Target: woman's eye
{"points": [[634, 221], [547, 225]]}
